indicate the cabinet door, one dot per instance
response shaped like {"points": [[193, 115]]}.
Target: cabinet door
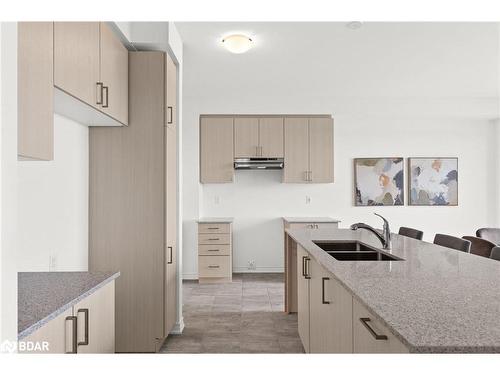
{"points": [[321, 150], [76, 60], [171, 229], [35, 90], [171, 91], [53, 337], [296, 150], [216, 150], [330, 313], [303, 297], [271, 137], [370, 335], [114, 75], [96, 321], [246, 137]]}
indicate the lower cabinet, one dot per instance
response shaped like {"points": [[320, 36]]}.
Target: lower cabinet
{"points": [[303, 297], [330, 320], [86, 327], [330, 313]]}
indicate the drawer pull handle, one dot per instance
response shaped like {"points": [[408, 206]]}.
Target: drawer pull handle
{"points": [[214, 239], [375, 335], [170, 250], [213, 228], [213, 249], [304, 266], [86, 338], [213, 266], [307, 267], [74, 346], [323, 279]]}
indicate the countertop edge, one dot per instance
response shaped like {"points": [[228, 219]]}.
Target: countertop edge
{"points": [[299, 220], [411, 348], [211, 220], [28, 331]]}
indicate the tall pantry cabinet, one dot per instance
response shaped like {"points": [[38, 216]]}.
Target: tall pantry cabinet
{"points": [[133, 209]]}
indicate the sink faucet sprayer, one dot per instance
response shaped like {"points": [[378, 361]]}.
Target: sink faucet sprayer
{"points": [[385, 237]]}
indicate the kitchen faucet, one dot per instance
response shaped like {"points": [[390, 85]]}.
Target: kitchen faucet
{"points": [[385, 237]]}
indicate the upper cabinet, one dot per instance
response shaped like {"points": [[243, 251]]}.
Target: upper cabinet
{"points": [[35, 97], [76, 60], [171, 92], [258, 137], [91, 64], [113, 75], [308, 150], [216, 150]]}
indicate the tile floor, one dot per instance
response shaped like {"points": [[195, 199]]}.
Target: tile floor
{"points": [[245, 316]]}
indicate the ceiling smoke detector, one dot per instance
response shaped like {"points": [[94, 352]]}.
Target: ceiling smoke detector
{"points": [[354, 25]]}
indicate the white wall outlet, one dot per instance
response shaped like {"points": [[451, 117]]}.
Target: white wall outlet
{"points": [[216, 199], [251, 265], [52, 263], [308, 199]]}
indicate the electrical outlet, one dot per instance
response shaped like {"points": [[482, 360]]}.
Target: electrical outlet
{"points": [[52, 263], [308, 199], [251, 265]]}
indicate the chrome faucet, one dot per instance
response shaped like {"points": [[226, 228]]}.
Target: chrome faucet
{"points": [[385, 237]]}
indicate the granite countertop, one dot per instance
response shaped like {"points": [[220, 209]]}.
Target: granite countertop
{"points": [[321, 219], [42, 296], [436, 300], [226, 220]]}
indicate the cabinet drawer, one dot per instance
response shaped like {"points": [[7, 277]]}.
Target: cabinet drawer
{"points": [[214, 239], [370, 335], [214, 250], [214, 266], [214, 228]]}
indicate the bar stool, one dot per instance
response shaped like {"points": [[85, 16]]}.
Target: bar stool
{"points": [[452, 242], [412, 233]]}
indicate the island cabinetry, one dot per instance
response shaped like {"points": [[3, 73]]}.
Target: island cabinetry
{"points": [[370, 335], [304, 277]]}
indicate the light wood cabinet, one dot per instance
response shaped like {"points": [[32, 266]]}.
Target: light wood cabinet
{"points": [[296, 149], [171, 92], [215, 256], [76, 60], [95, 316], [370, 335], [330, 313], [35, 99], [171, 228], [303, 277], [55, 337], [246, 137], [216, 150], [113, 75], [271, 139], [308, 150]]}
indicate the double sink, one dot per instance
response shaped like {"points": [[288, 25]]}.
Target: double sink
{"points": [[354, 251]]}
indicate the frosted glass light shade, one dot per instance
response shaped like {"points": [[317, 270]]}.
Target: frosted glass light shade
{"points": [[237, 43]]}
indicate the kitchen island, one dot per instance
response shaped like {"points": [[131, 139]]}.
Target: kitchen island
{"points": [[433, 300]]}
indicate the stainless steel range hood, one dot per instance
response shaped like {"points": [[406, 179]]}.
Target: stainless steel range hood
{"points": [[258, 163]]}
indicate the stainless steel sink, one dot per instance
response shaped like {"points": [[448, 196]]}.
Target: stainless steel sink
{"points": [[354, 251]]}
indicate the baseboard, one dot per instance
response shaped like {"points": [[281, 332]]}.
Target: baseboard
{"points": [[194, 276], [178, 328]]}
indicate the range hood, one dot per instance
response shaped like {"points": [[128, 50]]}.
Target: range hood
{"points": [[258, 163]]}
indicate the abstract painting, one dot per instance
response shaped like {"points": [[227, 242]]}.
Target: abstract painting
{"points": [[379, 182], [433, 181]]}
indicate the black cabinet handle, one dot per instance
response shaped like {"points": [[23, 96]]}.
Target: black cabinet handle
{"points": [[323, 279], [99, 93], [213, 228], [171, 255], [213, 266], [214, 239], [170, 116], [106, 90], [86, 338], [307, 267], [213, 249], [376, 336], [74, 345], [304, 266]]}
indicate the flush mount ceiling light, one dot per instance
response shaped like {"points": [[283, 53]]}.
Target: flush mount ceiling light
{"points": [[237, 43]]}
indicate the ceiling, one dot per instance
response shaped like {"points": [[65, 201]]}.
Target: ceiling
{"points": [[393, 60]]}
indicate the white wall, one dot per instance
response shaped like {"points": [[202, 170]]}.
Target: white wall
{"points": [[53, 203], [393, 89]]}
